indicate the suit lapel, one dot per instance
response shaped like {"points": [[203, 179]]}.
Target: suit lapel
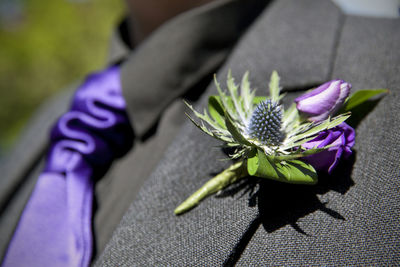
{"points": [[179, 54], [296, 38], [366, 54]]}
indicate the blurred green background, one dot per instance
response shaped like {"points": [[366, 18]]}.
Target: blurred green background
{"points": [[45, 45]]}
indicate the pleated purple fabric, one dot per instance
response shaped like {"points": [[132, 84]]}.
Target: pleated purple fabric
{"points": [[55, 226]]}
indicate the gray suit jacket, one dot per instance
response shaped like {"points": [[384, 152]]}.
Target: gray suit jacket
{"points": [[349, 218]]}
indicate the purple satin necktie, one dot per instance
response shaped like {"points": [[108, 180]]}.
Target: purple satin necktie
{"points": [[55, 226]]}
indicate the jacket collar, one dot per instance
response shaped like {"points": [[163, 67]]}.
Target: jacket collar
{"points": [[180, 54]]}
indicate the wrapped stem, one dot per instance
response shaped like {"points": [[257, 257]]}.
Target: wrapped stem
{"points": [[219, 182]]}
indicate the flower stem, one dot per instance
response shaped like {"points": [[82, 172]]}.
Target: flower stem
{"points": [[225, 178]]}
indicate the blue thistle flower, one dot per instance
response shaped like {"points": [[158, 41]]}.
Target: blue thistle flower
{"points": [[266, 122]]}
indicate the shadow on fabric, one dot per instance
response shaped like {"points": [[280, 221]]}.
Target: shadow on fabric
{"points": [[282, 204]]}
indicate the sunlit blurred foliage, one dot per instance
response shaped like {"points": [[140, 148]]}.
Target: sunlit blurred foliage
{"points": [[44, 46]]}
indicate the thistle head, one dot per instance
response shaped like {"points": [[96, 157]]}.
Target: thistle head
{"points": [[266, 122]]}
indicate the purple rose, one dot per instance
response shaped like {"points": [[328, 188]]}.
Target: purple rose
{"points": [[323, 101], [341, 137]]}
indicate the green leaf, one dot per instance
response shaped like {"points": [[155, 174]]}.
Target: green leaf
{"points": [[252, 162], [216, 106], [235, 98], [206, 118], [281, 96], [226, 101], [290, 117], [299, 143], [274, 86], [327, 124], [360, 97], [290, 171], [290, 112], [216, 110], [298, 155], [220, 137], [230, 125], [245, 91], [219, 132], [258, 99], [338, 120], [230, 83]]}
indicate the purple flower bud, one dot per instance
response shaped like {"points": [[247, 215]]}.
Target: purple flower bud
{"points": [[340, 137], [323, 101]]}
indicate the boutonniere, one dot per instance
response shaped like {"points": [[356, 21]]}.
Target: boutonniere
{"points": [[268, 141]]}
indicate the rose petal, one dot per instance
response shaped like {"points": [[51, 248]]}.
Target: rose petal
{"points": [[336, 160], [321, 101], [340, 138]]}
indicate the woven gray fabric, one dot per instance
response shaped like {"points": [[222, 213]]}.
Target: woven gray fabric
{"points": [[350, 218]]}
